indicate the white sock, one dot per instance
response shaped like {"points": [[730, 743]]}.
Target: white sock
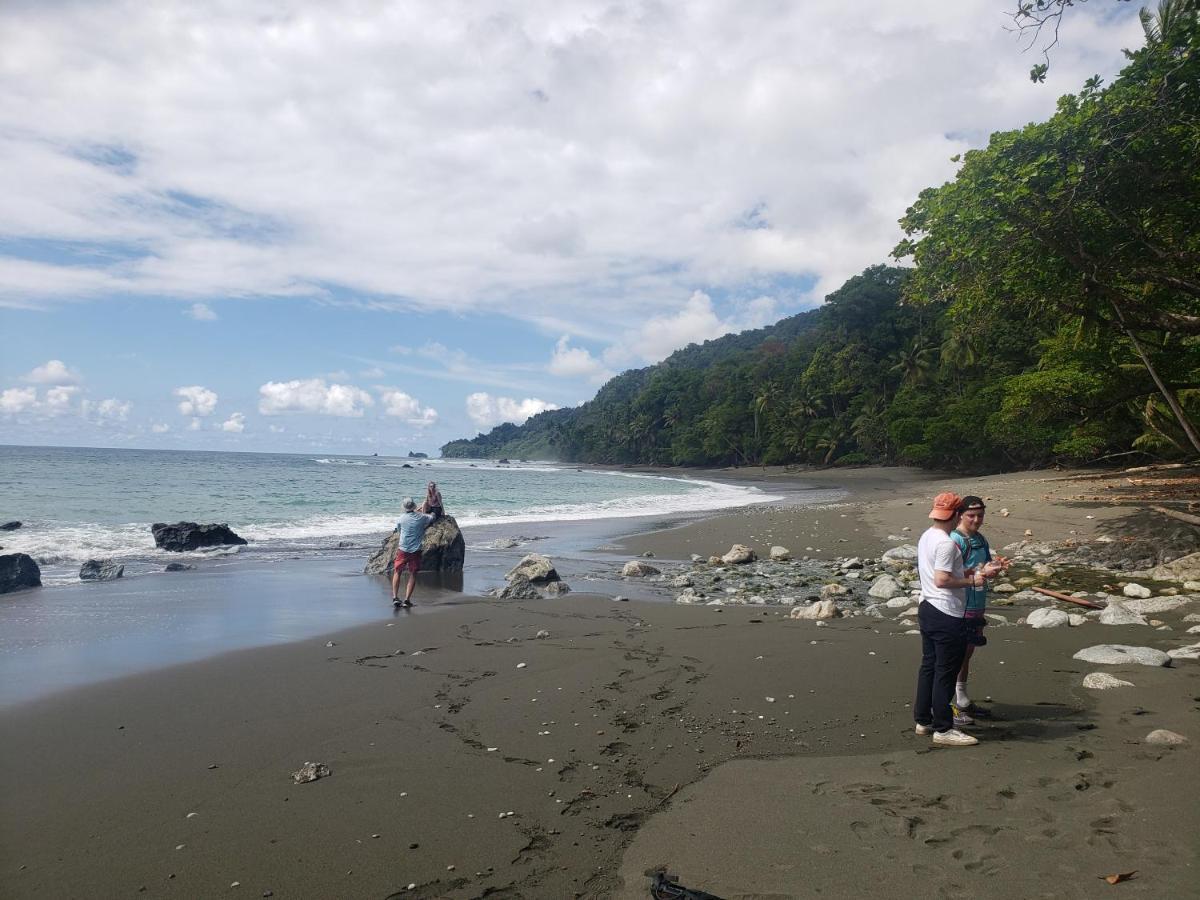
{"points": [[961, 700]]}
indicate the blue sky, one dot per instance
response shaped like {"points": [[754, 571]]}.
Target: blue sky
{"points": [[277, 226]]}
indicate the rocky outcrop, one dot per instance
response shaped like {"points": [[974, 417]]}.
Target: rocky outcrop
{"points": [[442, 550], [189, 536], [10, 526], [534, 567], [17, 572], [101, 570]]}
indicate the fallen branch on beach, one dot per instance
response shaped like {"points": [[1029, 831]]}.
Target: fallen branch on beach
{"points": [[1067, 598], [1174, 514]]}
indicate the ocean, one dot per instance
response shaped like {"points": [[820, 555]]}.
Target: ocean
{"points": [[80, 503]]}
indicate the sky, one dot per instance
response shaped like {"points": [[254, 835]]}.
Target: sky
{"points": [[378, 226]]}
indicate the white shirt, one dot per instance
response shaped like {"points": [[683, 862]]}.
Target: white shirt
{"points": [[937, 552]]}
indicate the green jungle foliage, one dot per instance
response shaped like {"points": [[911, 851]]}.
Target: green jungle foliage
{"points": [[1053, 316]]}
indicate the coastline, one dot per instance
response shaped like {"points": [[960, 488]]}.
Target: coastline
{"points": [[662, 695]]}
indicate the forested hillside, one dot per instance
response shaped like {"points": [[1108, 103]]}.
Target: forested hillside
{"points": [[1053, 315]]}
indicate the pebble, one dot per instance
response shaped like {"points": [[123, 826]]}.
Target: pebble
{"points": [[1165, 738], [521, 665]]}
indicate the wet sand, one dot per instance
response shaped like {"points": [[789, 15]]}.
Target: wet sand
{"points": [[634, 734]]}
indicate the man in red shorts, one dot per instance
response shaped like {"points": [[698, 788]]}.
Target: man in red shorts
{"points": [[411, 529]]}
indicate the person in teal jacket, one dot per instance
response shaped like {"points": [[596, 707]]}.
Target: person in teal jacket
{"points": [[976, 553]]}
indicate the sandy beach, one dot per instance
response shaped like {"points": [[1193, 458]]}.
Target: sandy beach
{"points": [[561, 748]]}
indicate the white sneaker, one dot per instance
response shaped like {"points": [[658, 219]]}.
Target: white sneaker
{"points": [[923, 730], [954, 738]]}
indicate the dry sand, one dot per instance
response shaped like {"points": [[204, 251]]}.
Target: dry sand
{"points": [[635, 734]]}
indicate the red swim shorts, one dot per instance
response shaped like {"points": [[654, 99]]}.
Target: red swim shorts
{"points": [[409, 561]]}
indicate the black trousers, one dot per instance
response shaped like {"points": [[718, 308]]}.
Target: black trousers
{"points": [[943, 646]]}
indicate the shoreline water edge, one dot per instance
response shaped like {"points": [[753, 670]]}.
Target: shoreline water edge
{"points": [[753, 734]]}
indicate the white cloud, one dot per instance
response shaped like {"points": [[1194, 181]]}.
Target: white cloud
{"points": [[160, 427], [17, 400], [106, 411], [196, 400], [202, 312], [576, 164], [577, 362], [58, 399], [276, 429], [235, 423], [696, 322], [400, 405], [194, 425], [312, 395], [55, 371], [487, 411]]}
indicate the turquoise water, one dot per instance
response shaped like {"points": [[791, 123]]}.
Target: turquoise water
{"points": [[80, 503]]}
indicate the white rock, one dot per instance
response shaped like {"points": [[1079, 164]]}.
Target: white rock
{"points": [[1193, 586], [310, 771], [1165, 738], [1195, 629], [542, 634], [1102, 681], [1192, 617], [1151, 605], [780, 554], [1135, 590], [739, 554], [901, 556], [1047, 617], [638, 569], [833, 590], [1117, 614], [822, 609], [1005, 588], [521, 665], [1122, 654], [1191, 651], [688, 596], [682, 581], [1075, 620], [1042, 570], [1004, 512], [898, 603], [885, 587]]}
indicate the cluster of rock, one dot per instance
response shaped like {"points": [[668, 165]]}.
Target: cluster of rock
{"points": [[442, 550], [532, 578], [184, 536]]}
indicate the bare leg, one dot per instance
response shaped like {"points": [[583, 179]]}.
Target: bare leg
{"points": [[395, 583], [408, 590]]}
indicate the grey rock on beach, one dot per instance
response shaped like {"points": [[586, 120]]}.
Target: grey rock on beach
{"points": [[442, 550], [18, 571], [1118, 614], [534, 567], [1122, 654], [637, 569], [311, 771], [190, 536], [1047, 617], [101, 570], [885, 587], [739, 554], [1102, 681], [1165, 738]]}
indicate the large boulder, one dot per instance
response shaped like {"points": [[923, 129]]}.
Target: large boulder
{"points": [[899, 557], [101, 570], [18, 571], [638, 569], [534, 567], [189, 536], [10, 526], [822, 609], [1118, 614], [1191, 651], [1047, 617], [885, 587], [1186, 568], [520, 588], [739, 554], [1122, 654], [1151, 605], [442, 550]]}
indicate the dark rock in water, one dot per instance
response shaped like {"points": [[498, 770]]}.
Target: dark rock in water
{"points": [[178, 567], [406, 466], [503, 462], [190, 536], [17, 572], [442, 550], [101, 570], [10, 526]]}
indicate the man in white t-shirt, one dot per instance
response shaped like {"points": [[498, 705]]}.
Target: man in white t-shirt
{"points": [[943, 631]]}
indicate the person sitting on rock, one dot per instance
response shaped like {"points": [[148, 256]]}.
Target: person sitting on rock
{"points": [[433, 501], [411, 531]]}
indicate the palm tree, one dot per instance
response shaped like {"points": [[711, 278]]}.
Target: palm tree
{"points": [[913, 363], [1168, 23]]}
